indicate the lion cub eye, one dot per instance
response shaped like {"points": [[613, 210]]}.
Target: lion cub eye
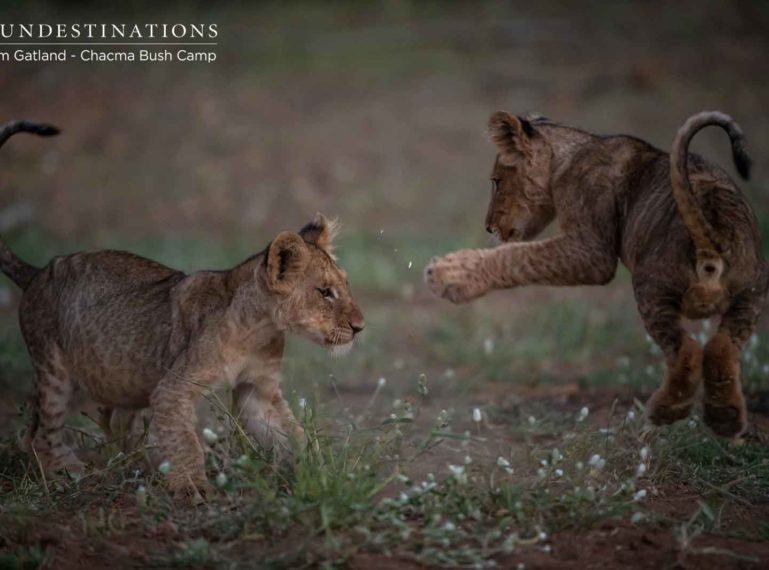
{"points": [[327, 292]]}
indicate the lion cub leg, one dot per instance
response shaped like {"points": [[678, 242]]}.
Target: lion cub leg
{"points": [[128, 428], [724, 404], [265, 414], [674, 400], [54, 391], [173, 408]]}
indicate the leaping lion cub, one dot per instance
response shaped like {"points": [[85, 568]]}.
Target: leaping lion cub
{"points": [[133, 333], [677, 221]]}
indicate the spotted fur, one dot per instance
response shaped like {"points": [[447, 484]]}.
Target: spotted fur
{"points": [[667, 218]]}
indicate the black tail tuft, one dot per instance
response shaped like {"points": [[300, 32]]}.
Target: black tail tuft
{"points": [[742, 160], [40, 129]]}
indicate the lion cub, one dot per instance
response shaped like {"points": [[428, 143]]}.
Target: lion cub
{"points": [[677, 222], [132, 333]]}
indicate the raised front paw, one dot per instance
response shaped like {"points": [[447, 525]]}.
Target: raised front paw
{"points": [[457, 277]]}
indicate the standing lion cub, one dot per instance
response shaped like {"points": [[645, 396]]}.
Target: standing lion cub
{"points": [[132, 333], [677, 222]]}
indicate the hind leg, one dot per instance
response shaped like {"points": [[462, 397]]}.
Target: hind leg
{"points": [[724, 404], [660, 310], [54, 391]]}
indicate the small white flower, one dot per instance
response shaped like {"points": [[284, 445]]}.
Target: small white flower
{"points": [[468, 460], [458, 473], [410, 264], [601, 464], [141, 496], [210, 436], [422, 385], [449, 373], [164, 467], [302, 403], [532, 420], [644, 453], [381, 382], [692, 423], [509, 470], [641, 469], [630, 416], [502, 462], [541, 473], [594, 460], [542, 536], [520, 566], [403, 497], [583, 413], [639, 495], [547, 548], [477, 415], [488, 346], [558, 472], [636, 518], [449, 526], [221, 479], [579, 465]]}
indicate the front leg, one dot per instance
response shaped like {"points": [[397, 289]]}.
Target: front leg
{"points": [[173, 407], [264, 413], [564, 260]]}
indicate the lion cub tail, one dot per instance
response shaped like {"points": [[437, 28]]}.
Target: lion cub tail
{"points": [[13, 266], [40, 129], [711, 248]]}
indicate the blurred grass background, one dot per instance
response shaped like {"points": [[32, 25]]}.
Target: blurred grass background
{"points": [[375, 113]]}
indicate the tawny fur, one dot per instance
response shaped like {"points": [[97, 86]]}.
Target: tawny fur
{"points": [[686, 233], [132, 333]]}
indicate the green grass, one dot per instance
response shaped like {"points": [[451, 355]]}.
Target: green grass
{"points": [[357, 485]]}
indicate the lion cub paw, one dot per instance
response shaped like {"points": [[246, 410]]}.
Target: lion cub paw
{"points": [[457, 277], [194, 489], [663, 409], [726, 420]]}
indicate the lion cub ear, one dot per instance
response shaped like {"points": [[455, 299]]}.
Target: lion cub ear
{"points": [[320, 232], [287, 258], [511, 134]]}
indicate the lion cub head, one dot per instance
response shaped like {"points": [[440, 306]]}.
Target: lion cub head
{"points": [[307, 291], [521, 205]]}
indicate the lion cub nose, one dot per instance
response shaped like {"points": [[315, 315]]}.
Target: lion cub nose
{"points": [[357, 325]]}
